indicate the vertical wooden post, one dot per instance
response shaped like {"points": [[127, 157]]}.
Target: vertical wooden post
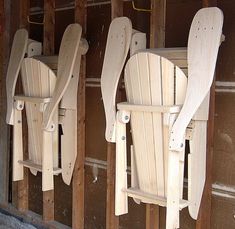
{"points": [[204, 217], [78, 211], [157, 23], [48, 49], [23, 186], [112, 221], [157, 40], [4, 139]]}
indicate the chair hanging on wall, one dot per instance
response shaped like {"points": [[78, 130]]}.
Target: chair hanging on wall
{"points": [[49, 99], [162, 105]]}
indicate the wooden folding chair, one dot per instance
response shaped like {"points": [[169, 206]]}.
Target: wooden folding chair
{"points": [[161, 104], [49, 99]]}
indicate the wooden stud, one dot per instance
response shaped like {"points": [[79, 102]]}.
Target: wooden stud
{"points": [[4, 140], [112, 221], [204, 217], [48, 49], [157, 40], [78, 211], [157, 23], [23, 185], [49, 27]]}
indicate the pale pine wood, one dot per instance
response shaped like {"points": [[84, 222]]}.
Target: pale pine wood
{"points": [[17, 169], [47, 161], [69, 121], [119, 38], [67, 56], [31, 165], [18, 51], [34, 48], [151, 108], [39, 82], [152, 199], [138, 42], [203, 45], [134, 176], [152, 81], [197, 167], [121, 199]]}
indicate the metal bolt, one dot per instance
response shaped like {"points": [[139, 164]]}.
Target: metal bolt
{"points": [[123, 138]]}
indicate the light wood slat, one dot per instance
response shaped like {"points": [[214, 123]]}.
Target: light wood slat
{"points": [[31, 165], [156, 97], [19, 47], [197, 167], [152, 199], [17, 169], [137, 122], [134, 177], [121, 199], [31, 99], [149, 108], [167, 99], [180, 91]]}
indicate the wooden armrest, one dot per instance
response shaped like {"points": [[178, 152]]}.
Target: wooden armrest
{"points": [[148, 108], [30, 99]]}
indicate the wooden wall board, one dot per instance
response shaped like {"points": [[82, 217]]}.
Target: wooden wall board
{"points": [[35, 193], [223, 155], [179, 18], [78, 194], [4, 137], [48, 49], [225, 70], [63, 202], [222, 212]]}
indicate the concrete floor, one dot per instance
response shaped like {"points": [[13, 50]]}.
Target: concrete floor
{"points": [[9, 222]]}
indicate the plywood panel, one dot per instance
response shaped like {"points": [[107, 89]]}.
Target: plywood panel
{"points": [[226, 67], [224, 148]]}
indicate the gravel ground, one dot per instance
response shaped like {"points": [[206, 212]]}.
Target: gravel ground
{"points": [[9, 222]]}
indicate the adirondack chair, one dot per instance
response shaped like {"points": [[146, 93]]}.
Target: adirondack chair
{"points": [[49, 99], [161, 104]]}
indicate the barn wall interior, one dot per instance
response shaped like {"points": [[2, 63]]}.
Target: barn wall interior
{"points": [[98, 13]]}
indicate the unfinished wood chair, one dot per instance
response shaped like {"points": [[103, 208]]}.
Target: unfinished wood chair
{"points": [[160, 105], [49, 99]]}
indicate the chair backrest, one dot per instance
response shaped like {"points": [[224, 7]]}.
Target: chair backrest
{"points": [[152, 80], [38, 81]]}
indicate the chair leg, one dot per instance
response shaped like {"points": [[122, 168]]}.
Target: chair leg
{"points": [[47, 161], [121, 198], [18, 169], [173, 191]]}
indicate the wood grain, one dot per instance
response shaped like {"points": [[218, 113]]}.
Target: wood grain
{"points": [[4, 139], [48, 49], [78, 193]]}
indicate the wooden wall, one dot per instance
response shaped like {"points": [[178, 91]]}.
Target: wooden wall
{"points": [[179, 15]]}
